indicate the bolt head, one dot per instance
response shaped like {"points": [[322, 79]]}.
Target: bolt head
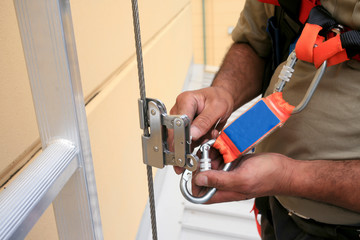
{"points": [[179, 162], [178, 123]]}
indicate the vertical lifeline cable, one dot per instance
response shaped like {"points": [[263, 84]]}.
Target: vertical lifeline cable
{"points": [[140, 67]]}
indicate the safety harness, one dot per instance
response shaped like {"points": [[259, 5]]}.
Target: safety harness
{"points": [[318, 30], [333, 42]]}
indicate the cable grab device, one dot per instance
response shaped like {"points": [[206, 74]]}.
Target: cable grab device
{"points": [[156, 152]]}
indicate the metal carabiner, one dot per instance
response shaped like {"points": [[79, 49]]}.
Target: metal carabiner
{"points": [[205, 165], [286, 74]]}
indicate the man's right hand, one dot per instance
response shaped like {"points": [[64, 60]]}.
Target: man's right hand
{"points": [[238, 80], [204, 107]]}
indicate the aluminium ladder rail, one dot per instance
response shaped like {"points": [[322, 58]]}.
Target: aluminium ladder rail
{"points": [[63, 173]]}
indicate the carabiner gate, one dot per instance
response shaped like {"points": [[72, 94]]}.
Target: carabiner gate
{"points": [[286, 74]]}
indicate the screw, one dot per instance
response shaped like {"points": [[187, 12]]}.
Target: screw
{"points": [[153, 112], [178, 123], [179, 162]]}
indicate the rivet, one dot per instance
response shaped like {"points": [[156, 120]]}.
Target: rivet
{"points": [[179, 162], [178, 123], [156, 149], [153, 112]]}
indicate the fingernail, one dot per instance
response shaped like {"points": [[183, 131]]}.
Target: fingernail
{"points": [[201, 181], [195, 132]]}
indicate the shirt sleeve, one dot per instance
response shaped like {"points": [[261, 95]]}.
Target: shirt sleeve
{"points": [[251, 27]]}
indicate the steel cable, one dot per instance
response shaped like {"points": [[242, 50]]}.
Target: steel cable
{"points": [[140, 67]]}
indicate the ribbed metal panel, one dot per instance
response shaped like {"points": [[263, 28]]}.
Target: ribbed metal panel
{"points": [[219, 221], [64, 172], [27, 197]]}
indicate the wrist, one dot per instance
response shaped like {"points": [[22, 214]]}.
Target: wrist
{"points": [[225, 95], [285, 183]]}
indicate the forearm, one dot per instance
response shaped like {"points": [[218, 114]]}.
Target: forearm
{"points": [[241, 74], [334, 182]]}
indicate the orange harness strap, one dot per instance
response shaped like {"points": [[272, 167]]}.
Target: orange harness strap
{"points": [[312, 48], [319, 42]]}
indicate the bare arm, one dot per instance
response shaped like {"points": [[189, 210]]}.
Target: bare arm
{"points": [[241, 74], [335, 182]]}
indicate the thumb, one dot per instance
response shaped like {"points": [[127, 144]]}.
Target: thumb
{"points": [[215, 178], [207, 119]]}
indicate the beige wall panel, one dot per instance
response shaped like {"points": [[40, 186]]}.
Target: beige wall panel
{"points": [[115, 140], [105, 37], [220, 15], [18, 129], [197, 31], [226, 14], [114, 127], [45, 228]]}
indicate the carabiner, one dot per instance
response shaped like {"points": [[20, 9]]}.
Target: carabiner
{"points": [[286, 74], [205, 165]]}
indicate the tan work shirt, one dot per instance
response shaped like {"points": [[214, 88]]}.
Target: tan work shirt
{"points": [[329, 127]]}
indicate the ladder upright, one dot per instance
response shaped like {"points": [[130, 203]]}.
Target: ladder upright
{"points": [[63, 173]]}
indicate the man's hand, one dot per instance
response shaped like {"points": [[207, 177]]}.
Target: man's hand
{"points": [[253, 175], [204, 107], [237, 82], [269, 174]]}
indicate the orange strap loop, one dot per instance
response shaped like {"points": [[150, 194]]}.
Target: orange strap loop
{"points": [[312, 48], [227, 148], [330, 50], [305, 45]]}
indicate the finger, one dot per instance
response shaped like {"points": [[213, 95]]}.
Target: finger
{"points": [[205, 121], [218, 179], [227, 196], [199, 191], [215, 133], [179, 170], [187, 104]]}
